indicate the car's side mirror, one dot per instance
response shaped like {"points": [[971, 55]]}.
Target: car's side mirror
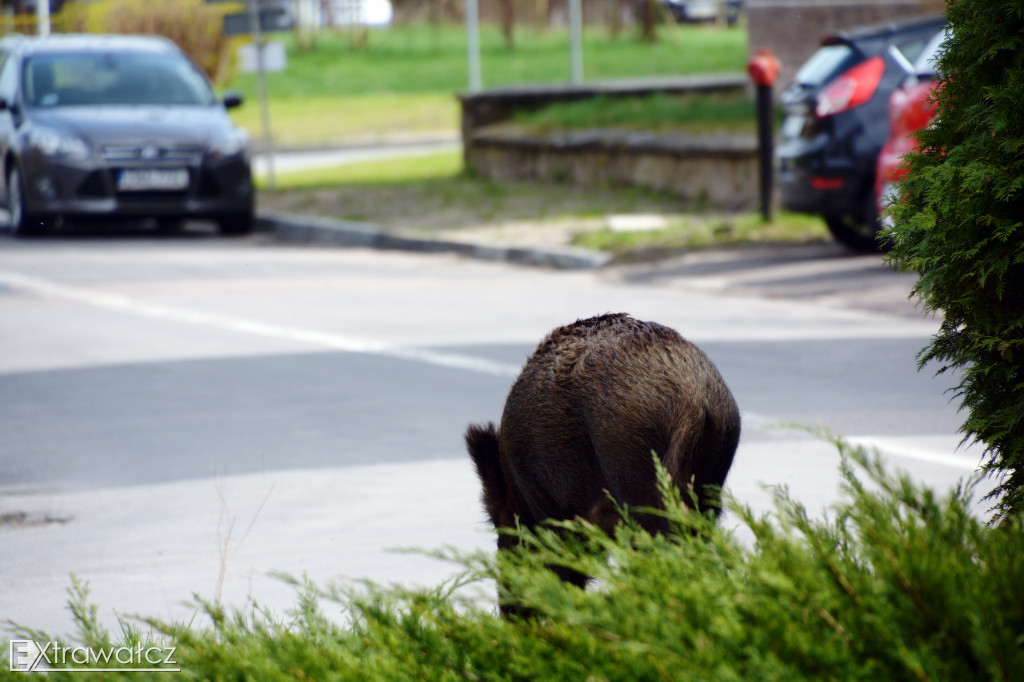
{"points": [[4, 106], [233, 99]]}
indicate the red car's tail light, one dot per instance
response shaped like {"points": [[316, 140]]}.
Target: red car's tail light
{"points": [[823, 183], [919, 108], [851, 89]]}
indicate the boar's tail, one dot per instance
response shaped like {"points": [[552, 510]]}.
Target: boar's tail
{"points": [[482, 443]]}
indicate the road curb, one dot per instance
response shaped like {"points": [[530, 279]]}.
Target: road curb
{"points": [[320, 231]]}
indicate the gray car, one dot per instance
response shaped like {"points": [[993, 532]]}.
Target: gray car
{"points": [[117, 126]]}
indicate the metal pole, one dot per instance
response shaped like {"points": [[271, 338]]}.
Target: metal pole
{"points": [[43, 17], [576, 41], [473, 44], [765, 145], [261, 75]]}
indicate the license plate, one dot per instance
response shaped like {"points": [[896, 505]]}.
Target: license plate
{"points": [[152, 179]]}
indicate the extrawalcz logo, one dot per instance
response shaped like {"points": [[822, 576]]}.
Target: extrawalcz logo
{"points": [[29, 657], [25, 655]]}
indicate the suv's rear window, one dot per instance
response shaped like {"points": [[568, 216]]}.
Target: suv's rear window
{"points": [[827, 62], [911, 49]]}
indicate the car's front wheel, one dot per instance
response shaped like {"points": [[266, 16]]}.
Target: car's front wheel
{"points": [[236, 223], [23, 223], [169, 225]]}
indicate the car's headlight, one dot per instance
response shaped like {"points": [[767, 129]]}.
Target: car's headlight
{"points": [[54, 144], [235, 143]]}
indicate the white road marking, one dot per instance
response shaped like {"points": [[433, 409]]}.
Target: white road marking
{"points": [[902, 447], [128, 305]]}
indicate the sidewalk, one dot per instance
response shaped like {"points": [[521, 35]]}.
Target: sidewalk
{"points": [[354, 150], [520, 249], [338, 525]]}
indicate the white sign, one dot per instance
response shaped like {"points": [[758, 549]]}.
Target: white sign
{"points": [[274, 57]]}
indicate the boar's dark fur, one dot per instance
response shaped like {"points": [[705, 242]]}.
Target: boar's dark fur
{"points": [[592, 403]]}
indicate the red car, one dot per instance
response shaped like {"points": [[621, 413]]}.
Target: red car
{"points": [[910, 109]]}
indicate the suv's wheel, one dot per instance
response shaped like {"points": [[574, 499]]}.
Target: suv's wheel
{"points": [[236, 223], [858, 232], [22, 222]]}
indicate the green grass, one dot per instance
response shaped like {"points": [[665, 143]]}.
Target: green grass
{"points": [[430, 193], [406, 78], [658, 113], [424, 59], [325, 119], [897, 582], [697, 231], [695, 114]]}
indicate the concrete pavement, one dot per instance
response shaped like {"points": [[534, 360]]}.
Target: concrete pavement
{"points": [[318, 231]]}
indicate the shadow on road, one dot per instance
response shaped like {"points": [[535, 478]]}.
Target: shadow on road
{"points": [[106, 228]]}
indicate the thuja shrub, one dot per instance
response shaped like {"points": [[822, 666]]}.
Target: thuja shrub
{"points": [[959, 226], [896, 583], [195, 26]]}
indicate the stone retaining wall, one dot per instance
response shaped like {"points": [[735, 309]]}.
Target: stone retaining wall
{"points": [[720, 170]]}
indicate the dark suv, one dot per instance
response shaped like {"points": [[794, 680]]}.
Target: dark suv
{"points": [[836, 123]]}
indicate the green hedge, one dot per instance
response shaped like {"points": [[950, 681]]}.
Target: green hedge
{"points": [[896, 583], [959, 225]]}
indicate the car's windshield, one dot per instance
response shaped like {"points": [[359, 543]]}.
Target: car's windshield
{"points": [[122, 78], [824, 64]]}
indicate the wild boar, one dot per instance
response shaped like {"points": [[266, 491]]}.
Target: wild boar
{"points": [[581, 421]]}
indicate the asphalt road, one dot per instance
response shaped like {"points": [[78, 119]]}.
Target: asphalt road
{"points": [[186, 414]]}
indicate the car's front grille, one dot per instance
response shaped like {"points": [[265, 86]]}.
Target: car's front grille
{"points": [[152, 153]]}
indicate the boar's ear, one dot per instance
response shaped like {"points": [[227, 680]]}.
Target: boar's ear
{"points": [[482, 443]]}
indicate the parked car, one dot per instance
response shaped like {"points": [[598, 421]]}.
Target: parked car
{"points": [[910, 109], [696, 11], [836, 124], [116, 126], [29, 6]]}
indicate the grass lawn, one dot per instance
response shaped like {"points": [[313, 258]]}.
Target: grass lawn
{"points": [[430, 195], [658, 113], [693, 113], [406, 78], [304, 122], [684, 232]]}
